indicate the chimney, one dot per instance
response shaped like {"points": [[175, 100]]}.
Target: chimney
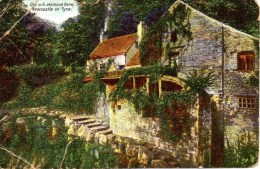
{"points": [[141, 30], [102, 36]]}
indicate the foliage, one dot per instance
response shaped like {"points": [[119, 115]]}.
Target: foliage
{"points": [[31, 74], [240, 14], [45, 50], [139, 9], [67, 93], [8, 86], [79, 36], [41, 140], [127, 24], [254, 80], [241, 154], [167, 107], [19, 46], [155, 40], [199, 81]]}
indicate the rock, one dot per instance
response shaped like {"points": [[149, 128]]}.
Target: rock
{"points": [[4, 118], [103, 139], [90, 136], [162, 154], [133, 163], [63, 116], [122, 147], [132, 151], [72, 130], [20, 120], [159, 164], [123, 161], [173, 164], [157, 141], [82, 132], [144, 156]]}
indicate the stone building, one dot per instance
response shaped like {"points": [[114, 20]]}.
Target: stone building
{"points": [[233, 58], [207, 46]]}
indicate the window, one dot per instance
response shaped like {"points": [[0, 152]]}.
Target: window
{"points": [[120, 67], [173, 36], [119, 107], [246, 102], [102, 66], [245, 61], [136, 45], [172, 59]]}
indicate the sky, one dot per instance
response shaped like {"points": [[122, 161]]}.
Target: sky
{"points": [[65, 9]]}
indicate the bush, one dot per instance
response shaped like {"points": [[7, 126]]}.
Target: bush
{"points": [[67, 93], [9, 84], [42, 141], [241, 154]]}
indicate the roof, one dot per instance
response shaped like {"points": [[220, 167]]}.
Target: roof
{"points": [[135, 60], [214, 20], [114, 46]]}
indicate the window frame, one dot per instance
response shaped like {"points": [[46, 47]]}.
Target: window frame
{"points": [[247, 60], [102, 66], [246, 102]]}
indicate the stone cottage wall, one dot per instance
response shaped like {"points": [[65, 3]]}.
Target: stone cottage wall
{"points": [[204, 53], [127, 122], [103, 108]]}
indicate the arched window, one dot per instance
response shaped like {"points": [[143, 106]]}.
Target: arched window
{"points": [[245, 61]]}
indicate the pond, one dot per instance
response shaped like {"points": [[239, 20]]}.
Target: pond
{"points": [[42, 141]]}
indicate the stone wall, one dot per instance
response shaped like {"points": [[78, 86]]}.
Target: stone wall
{"points": [[204, 53], [102, 109], [127, 122]]}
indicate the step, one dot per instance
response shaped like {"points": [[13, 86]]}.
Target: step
{"points": [[90, 125], [99, 128], [88, 121], [76, 119], [106, 132]]}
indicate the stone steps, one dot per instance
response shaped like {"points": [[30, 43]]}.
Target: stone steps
{"points": [[91, 125], [106, 132], [80, 119], [87, 121], [99, 128]]}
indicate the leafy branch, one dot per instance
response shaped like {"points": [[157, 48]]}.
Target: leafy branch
{"points": [[14, 155]]}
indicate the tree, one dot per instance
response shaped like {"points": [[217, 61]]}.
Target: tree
{"points": [[240, 14], [140, 10], [80, 35]]}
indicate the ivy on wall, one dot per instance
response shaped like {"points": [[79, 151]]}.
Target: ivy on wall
{"points": [[172, 107], [156, 39]]}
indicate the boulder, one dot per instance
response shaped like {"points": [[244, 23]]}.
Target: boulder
{"points": [[132, 151], [144, 156], [103, 139], [162, 154], [20, 120], [132, 163], [90, 136], [4, 118], [159, 164]]}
